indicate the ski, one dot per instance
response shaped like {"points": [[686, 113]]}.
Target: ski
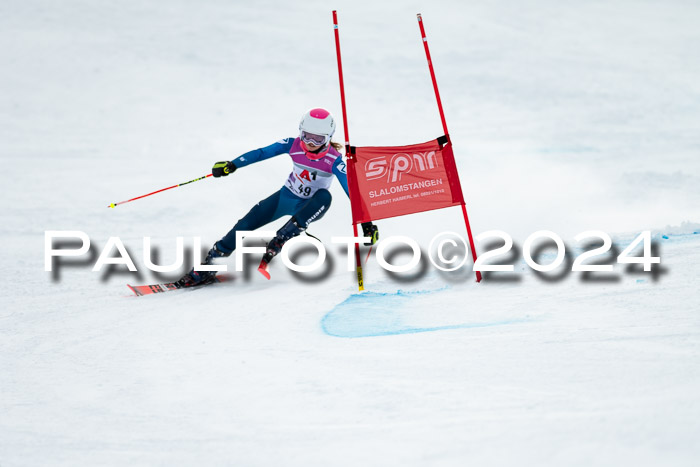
{"points": [[267, 257], [140, 290], [271, 253], [262, 269]]}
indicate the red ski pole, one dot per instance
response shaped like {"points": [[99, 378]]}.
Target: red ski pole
{"points": [[158, 191]]}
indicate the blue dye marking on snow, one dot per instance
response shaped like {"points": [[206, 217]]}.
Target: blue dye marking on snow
{"points": [[671, 237], [372, 314]]}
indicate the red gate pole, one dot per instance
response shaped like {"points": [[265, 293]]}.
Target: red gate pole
{"points": [[444, 127], [432, 74], [350, 157]]}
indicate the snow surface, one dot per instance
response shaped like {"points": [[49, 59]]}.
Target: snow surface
{"points": [[567, 116]]}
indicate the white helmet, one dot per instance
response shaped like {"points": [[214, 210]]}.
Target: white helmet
{"points": [[316, 127]]}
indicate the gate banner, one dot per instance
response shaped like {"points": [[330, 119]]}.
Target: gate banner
{"points": [[395, 181]]}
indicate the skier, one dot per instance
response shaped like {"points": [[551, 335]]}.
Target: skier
{"points": [[304, 196]]}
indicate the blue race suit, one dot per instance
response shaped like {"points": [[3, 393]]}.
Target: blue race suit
{"points": [[305, 195]]}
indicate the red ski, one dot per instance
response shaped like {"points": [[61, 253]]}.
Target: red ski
{"points": [[167, 287], [262, 269]]}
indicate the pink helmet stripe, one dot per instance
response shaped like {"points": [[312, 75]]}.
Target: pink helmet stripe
{"points": [[319, 113]]}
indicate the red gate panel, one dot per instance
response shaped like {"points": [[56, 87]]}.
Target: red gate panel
{"points": [[399, 180]]}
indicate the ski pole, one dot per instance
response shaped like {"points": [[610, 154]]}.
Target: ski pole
{"points": [[158, 191]]}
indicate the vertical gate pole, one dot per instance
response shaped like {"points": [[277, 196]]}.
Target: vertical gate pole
{"points": [[349, 156], [444, 127]]}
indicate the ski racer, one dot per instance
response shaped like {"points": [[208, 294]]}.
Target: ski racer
{"points": [[305, 196]]}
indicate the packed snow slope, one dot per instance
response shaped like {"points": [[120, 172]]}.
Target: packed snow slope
{"points": [[565, 116]]}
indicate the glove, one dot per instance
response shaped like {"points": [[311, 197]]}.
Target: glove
{"points": [[223, 168], [372, 231]]}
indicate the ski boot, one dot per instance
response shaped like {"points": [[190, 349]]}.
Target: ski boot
{"points": [[202, 277], [290, 230]]}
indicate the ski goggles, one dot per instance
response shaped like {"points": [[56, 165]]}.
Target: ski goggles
{"points": [[316, 140]]}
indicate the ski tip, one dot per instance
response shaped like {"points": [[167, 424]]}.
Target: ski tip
{"points": [[262, 269], [264, 273]]}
